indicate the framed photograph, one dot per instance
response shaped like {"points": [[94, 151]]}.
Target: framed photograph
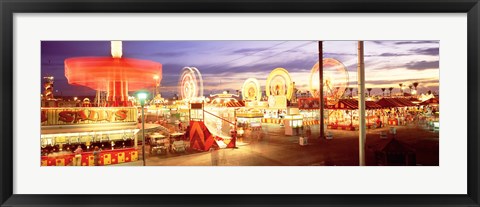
{"points": [[200, 103]]}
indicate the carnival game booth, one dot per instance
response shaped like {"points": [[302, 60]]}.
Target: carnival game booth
{"points": [[430, 113], [248, 117], [397, 111], [344, 115], [276, 110], [309, 109], [112, 129], [262, 107]]}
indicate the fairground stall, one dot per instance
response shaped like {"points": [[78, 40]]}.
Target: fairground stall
{"points": [[344, 115], [397, 111], [248, 117], [430, 113], [310, 111], [113, 130]]}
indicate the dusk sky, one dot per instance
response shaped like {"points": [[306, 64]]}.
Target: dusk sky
{"points": [[225, 65]]}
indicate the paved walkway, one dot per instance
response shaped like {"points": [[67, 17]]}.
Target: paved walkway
{"points": [[276, 149]]}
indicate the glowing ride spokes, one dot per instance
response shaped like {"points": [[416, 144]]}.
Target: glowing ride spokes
{"points": [[279, 82], [335, 80], [251, 90], [191, 84]]}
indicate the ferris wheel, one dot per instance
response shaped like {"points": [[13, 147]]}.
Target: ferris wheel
{"points": [[191, 83], [279, 82], [335, 80], [251, 90]]}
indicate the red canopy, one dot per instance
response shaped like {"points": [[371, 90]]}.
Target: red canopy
{"points": [[235, 104], [432, 101], [394, 102], [349, 104], [116, 76]]}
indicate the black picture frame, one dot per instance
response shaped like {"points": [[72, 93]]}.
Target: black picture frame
{"points": [[10, 7]]}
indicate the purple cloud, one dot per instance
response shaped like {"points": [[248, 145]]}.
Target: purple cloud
{"points": [[422, 65], [434, 51]]}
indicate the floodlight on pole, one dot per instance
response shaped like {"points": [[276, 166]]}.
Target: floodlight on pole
{"points": [[142, 97]]}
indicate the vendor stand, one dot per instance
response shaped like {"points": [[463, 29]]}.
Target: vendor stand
{"points": [[112, 129], [246, 117], [344, 115]]}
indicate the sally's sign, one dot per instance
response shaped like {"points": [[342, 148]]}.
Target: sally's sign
{"points": [[87, 115]]}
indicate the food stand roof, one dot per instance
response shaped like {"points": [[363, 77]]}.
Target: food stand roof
{"points": [[235, 104], [394, 102], [350, 104], [432, 101]]}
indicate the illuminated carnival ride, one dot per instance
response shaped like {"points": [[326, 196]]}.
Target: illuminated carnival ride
{"points": [[115, 75], [191, 84], [111, 126], [218, 119], [251, 90], [279, 83], [335, 80]]}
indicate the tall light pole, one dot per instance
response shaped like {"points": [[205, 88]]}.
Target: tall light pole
{"points": [[320, 80], [361, 104], [142, 97]]}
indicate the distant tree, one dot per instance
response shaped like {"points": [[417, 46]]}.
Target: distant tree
{"points": [[369, 90], [351, 92], [390, 89], [415, 84], [383, 91], [410, 87], [401, 89]]}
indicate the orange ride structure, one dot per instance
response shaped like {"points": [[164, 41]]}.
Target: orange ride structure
{"points": [[115, 75]]}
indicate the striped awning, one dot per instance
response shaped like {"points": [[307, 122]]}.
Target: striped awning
{"points": [[351, 104], [432, 101], [235, 104], [395, 102]]}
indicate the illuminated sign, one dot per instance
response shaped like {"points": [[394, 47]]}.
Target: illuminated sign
{"points": [[196, 105], [87, 115]]}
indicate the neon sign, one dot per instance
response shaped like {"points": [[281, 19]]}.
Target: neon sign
{"points": [[89, 115]]}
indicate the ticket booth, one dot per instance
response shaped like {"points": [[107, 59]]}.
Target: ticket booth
{"points": [[293, 124]]}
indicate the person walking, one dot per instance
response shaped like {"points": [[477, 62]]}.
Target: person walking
{"points": [[78, 156], [96, 156], [214, 156]]}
